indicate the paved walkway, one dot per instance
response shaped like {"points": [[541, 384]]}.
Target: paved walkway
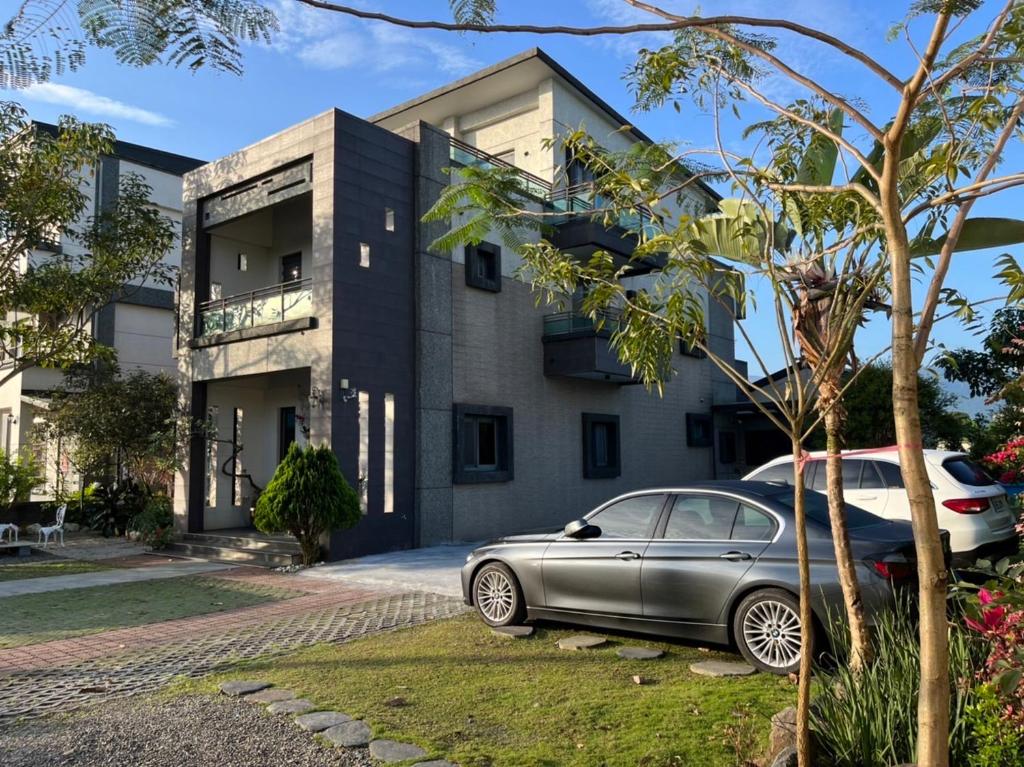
{"points": [[434, 569], [107, 577]]}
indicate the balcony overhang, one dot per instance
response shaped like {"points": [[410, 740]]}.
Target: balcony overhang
{"points": [[258, 331], [583, 237], [589, 356]]}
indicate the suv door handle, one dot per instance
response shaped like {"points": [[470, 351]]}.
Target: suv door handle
{"points": [[627, 555], [735, 556]]}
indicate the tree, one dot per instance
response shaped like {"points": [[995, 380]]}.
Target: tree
{"points": [[995, 371], [307, 497], [18, 475], [115, 426], [50, 303]]}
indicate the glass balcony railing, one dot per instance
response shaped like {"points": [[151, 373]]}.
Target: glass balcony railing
{"points": [[278, 303], [574, 323]]}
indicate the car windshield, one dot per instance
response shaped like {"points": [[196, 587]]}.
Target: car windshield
{"points": [[967, 472], [817, 510]]}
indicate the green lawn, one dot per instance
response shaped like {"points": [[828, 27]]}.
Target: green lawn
{"points": [[34, 618], [14, 570], [482, 700]]}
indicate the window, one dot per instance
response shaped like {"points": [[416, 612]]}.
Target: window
{"points": [[698, 430], [967, 472], [291, 267], [212, 414], [576, 173], [286, 431], [727, 447], [483, 444], [389, 453], [752, 525], [815, 476], [892, 477], [236, 445], [629, 518], [216, 291], [869, 478], [364, 255], [389, 219], [364, 450], [483, 267], [509, 156], [851, 473], [701, 517], [601, 453], [243, 262]]}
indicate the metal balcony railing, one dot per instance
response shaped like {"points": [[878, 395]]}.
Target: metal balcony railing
{"points": [[574, 323], [277, 303]]}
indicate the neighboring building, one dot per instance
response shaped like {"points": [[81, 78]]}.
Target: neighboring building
{"points": [[314, 310], [139, 326]]}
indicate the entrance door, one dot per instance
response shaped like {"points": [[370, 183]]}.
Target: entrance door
{"points": [[286, 431]]}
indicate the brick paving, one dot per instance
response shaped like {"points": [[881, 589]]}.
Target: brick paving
{"points": [[65, 674]]}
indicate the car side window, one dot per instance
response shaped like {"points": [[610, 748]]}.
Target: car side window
{"points": [[869, 479], [701, 517], [629, 518], [816, 476], [851, 473], [892, 477], [752, 525]]}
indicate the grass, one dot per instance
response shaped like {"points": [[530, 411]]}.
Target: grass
{"points": [[16, 571], [481, 700], [33, 618]]}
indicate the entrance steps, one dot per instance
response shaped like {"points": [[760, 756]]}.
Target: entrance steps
{"points": [[241, 547]]}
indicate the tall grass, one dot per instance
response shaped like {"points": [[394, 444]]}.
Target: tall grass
{"points": [[870, 719]]}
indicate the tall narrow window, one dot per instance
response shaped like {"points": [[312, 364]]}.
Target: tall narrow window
{"points": [[364, 255], [364, 450], [236, 464], [211, 456], [601, 449], [389, 453], [389, 219], [286, 431], [483, 444]]}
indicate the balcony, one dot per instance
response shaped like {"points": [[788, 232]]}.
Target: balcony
{"points": [[277, 309], [576, 346]]}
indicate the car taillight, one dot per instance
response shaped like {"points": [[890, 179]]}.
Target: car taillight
{"points": [[967, 505], [894, 571]]}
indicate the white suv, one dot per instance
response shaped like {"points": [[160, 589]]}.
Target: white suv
{"points": [[969, 503]]}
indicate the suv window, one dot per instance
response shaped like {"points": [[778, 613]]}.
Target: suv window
{"points": [[892, 477], [816, 475], [869, 478], [701, 517], [967, 472], [782, 472], [629, 518]]}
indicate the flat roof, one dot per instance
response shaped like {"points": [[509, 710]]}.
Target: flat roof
{"points": [[169, 162]]}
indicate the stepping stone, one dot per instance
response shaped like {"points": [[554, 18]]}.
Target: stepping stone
{"points": [[513, 632], [392, 751], [581, 642], [294, 706], [321, 720], [273, 695], [349, 734], [722, 668], [639, 653], [243, 687]]}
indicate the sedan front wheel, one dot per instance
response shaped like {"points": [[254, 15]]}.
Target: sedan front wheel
{"points": [[497, 595], [767, 631]]}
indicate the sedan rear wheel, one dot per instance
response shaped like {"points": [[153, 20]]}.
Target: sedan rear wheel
{"points": [[497, 595], [767, 631]]}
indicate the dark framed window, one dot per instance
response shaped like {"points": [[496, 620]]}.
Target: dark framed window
{"points": [[286, 431], [483, 267], [291, 267], [891, 474], [601, 446], [727, 447], [698, 430], [482, 447]]}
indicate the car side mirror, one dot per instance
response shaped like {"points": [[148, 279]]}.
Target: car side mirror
{"points": [[581, 530]]}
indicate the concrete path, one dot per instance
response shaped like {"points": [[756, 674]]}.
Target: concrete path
{"points": [[107, 577], [434, 569]]}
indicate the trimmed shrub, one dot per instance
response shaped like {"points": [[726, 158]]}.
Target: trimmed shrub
{"points": [[307, 496], [155, 523]]}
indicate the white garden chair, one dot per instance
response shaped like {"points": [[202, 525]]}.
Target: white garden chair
{"points": [[10, 530], [57, 528]]}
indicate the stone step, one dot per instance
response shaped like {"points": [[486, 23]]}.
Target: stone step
{"points": [[278, 544], [232, 555]]}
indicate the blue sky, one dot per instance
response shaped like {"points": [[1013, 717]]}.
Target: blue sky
{"points": [[320, 60]]}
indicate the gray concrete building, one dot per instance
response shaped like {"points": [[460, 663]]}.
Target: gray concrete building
{"points": [[313, 309]]}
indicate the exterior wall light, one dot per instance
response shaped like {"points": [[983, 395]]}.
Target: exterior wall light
{"points": [[347, 392]]}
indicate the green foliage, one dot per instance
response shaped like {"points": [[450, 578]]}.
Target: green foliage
{"points": [[82, 504], [869, 718], [117, 504], [307, 497], [994, 741], [110, 420], [44, 38], [18, 475], [155, 523], [41, 198], [473, 11], [995, 370]]}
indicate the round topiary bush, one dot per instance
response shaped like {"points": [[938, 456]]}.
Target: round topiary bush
{"points": [[307, 496]]}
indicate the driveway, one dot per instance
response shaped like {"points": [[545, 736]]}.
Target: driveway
{"points": [[434, 570]]}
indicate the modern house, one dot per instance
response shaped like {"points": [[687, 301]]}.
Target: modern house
{"points": [[313, 309], [140, 325]]}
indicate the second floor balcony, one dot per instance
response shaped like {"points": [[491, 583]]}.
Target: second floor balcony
{"points": [[577, 346], [278, 308]]}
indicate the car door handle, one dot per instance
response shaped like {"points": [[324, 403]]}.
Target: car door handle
{"points": [[627, 555], [735, 556]]}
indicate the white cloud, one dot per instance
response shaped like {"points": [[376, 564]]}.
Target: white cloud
{"points": [[325, 40], [81, 100]]}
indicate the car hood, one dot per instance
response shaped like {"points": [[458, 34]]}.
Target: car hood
{"points": [[533, 536]]}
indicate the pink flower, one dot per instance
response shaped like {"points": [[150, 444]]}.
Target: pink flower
{"points": [[992, 618]]}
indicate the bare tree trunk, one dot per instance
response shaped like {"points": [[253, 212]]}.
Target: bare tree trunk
{"points": [[933, 698], [834, 417], [803, 696]]}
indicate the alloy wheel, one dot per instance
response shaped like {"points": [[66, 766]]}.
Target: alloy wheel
{"points": [[771, 631], [495, 596]]}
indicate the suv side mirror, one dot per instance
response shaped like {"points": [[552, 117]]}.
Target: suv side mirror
{"points": [[581, 530]]}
